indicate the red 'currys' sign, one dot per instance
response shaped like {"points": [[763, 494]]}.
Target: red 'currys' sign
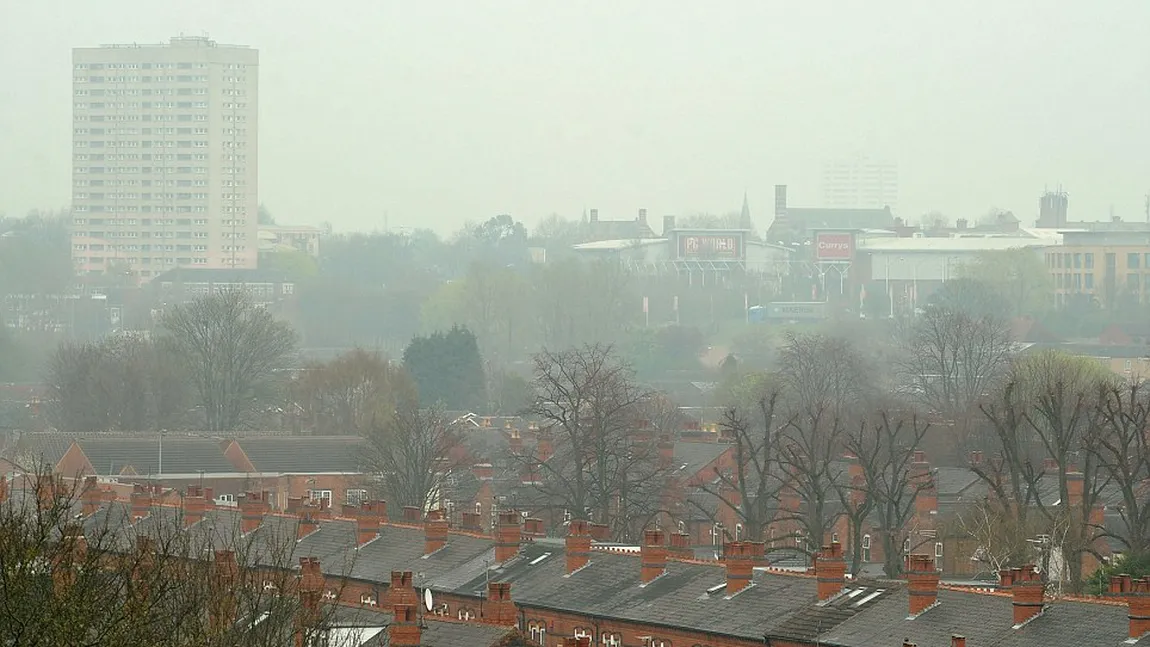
{"points": [[834, 247]]}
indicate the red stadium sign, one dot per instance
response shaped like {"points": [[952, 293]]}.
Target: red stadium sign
{"points": [[711, 246], [834, 247]]}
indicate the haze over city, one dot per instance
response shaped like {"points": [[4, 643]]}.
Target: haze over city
{"points": [[436, 113]]}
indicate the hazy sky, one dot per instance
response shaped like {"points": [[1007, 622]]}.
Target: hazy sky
{"points": [[443, 111]]}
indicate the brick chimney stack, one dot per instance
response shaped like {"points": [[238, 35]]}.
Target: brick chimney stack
{"points": [[470, 521], [73, 550], [310, 574], [926, 501], [741, 558], [402, 589], [404, 629], [666, 452], [434, 532], [957, 641], [411, 514], [856, 479], [308, 523], [545, 446], [367, 520], [653, 555], [533, 527], [830, 571], [1137, 594], [507, 535], [578, 545], [1027, 589], [922, 579], [253, 507], [195, 505], [141, 502], [1075, 486], [222, 607], [515, 443], [680, 546], [500, 609]]}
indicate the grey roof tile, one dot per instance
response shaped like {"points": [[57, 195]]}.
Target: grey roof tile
{"points": [[304, 454]]}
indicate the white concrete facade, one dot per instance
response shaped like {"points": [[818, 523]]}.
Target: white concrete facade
{"points": [[860, 183], [165, 156]]}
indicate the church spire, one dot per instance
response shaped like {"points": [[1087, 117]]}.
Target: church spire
{"points": [[745, 214]]}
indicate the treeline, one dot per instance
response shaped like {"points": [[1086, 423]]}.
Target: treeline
{"points": [[1050, 437]]}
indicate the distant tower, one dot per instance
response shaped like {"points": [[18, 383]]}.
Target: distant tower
{"points": [[745, 214], [1052, 209]]}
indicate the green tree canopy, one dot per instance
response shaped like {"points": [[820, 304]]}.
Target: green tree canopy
{"points": [[1018, 276], [447, 369]]}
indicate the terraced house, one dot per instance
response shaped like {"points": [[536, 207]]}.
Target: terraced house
{"points": [[558, 590]]}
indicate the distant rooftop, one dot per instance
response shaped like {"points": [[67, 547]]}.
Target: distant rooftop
{"points": [[973, 244], [175, 41]]}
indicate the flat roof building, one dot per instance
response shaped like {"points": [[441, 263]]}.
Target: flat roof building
{"points": [[165, 156]]}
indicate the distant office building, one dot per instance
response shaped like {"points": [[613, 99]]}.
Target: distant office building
{"points": [[164, 156], [860, 183], [1052, 209]]}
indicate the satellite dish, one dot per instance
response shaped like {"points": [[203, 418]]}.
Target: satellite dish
{"points": [[428, 601]]}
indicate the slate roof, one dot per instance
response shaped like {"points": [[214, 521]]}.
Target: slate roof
{"points": [[616, 230], [304, 454], [985, 620], [435, 633], [401, 548], [109, 455], [692, 457], [609, 586], [46, 447]]}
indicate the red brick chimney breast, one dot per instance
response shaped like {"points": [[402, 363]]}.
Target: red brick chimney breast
{"points": [[653, 555], [578, 545], [922, 579], [830, 571], [1028, 590]]}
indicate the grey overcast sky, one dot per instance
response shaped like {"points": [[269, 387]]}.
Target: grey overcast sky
{"points": [[443, 111]]}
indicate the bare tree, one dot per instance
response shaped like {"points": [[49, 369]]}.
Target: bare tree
{"points": [[886, 449], [409, 455], [101, 579], [953, 359], [117, 383], [1123, 450], [603, 469], [825, 381], [751, 489], [351, 393], [230, 346]]}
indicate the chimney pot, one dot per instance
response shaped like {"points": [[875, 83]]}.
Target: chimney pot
{"points": [[402, 589], [1137, 595]]}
